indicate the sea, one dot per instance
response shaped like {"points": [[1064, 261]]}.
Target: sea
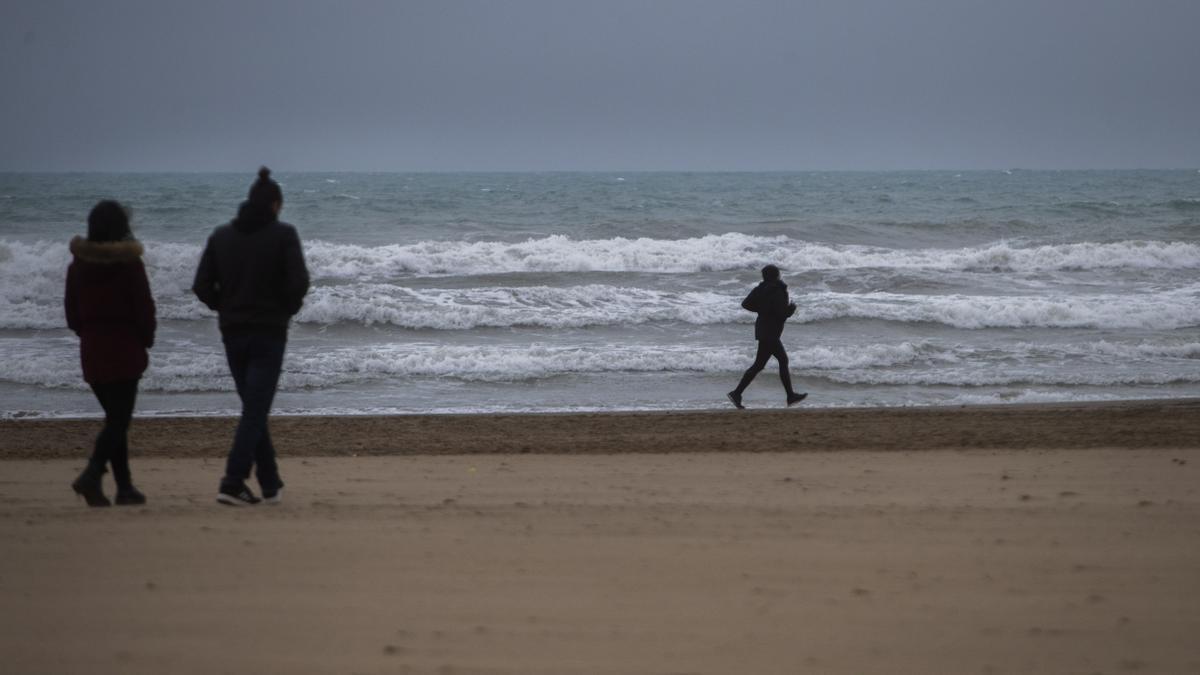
{"points": [[515, 292]]}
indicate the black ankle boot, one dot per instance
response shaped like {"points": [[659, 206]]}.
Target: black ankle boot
{"points": [[129, 495], [88, 487]]}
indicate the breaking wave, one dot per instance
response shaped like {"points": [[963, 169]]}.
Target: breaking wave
{"points": [[726, 252], [364, 284], [55, 363]]}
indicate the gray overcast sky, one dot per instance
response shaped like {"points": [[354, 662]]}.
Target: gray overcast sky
{"points": [[448, 85]]}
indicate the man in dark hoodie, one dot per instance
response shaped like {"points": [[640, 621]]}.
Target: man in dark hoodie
{"points": [[770, 301], [252, 273]]}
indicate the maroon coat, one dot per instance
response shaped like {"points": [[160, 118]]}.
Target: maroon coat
{"points": [[110, 308]]}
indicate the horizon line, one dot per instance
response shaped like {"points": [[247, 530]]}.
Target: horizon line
{"points": [[587, 171]]}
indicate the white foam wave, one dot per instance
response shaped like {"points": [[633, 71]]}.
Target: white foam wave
{"points": [[727, 252], [1145, 351], [172, 264], [205, 370], [31, 278], [988, 375], [1173, 309], [1013, 397], [1008, 397], [606, 305], [183, 367], [544, 306]]}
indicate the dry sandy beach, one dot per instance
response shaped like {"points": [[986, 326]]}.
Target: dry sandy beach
{"points": [[1030, 539]]}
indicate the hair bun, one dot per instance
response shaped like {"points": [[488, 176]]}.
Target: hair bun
{"points": [[264, 173]]}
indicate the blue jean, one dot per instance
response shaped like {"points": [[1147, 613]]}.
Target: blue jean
{"points": [[255, 361]]}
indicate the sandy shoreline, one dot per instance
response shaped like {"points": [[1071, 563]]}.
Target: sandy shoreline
{"points": [[1025, 539], [934, 562], [1130, 424]]}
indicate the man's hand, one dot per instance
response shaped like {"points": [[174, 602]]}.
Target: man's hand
{"points": [[791, 309]]}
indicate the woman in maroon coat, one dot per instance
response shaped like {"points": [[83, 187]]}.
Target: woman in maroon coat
{"points": [[109, 306]]}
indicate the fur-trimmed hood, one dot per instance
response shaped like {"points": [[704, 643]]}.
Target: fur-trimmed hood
{"points": [[106, 252]]}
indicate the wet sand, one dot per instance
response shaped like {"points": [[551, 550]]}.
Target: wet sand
{"points": [[1133, 424], [1036, 558]]}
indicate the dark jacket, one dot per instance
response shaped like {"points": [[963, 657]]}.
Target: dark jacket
{"points": [[252, 273], [109, 306], [770, 300]]}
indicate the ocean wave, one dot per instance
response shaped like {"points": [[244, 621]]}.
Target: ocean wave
{"points": [[1185, 204], [1093, 208], [186, 368], [1007, 396], [183, 370], [358, 284], [1015, 397], [1163, 311], [1142, 351], [606, 305], [497, 307], [979, 376], [172, 265], [727, 252]]}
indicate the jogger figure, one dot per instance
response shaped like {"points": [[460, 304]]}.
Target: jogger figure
{"points": [[770, 301]]}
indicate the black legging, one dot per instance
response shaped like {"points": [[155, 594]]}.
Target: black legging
{"points": [[112, 445], [767, 349]]}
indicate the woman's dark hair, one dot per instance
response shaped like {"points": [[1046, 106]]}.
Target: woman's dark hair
{"points": [[770, 273], [108, 221], [265, 190]]}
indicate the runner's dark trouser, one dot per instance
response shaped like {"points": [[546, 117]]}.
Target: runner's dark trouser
{"points": [[767, 349]]}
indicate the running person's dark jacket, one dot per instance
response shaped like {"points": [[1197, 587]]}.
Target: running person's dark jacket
{"points": [[252, 273], [770, 300]]}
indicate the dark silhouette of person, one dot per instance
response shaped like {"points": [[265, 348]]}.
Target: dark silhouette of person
{"points": [[252, 273], [109, 306], [770, 301]]}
